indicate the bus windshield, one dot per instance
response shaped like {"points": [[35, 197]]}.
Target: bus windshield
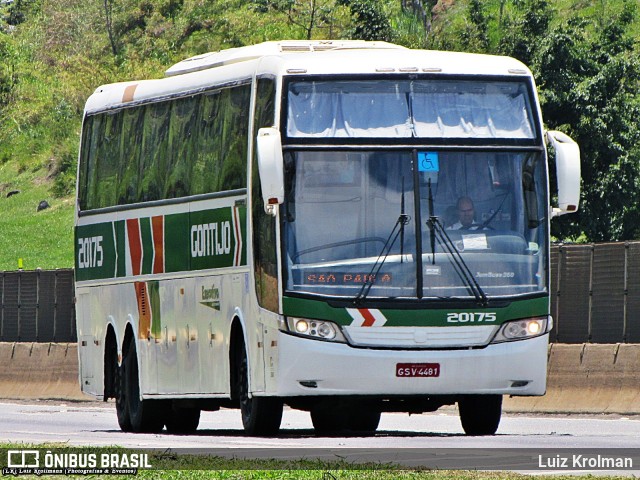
{"points": [[415, 223], [422, 108]]}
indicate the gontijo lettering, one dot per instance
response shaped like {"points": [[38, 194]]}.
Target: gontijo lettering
{"points": [[208, 239]]}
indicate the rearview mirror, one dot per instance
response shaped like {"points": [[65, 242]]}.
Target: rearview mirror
{"points": [[270, 167], [567, 172]]}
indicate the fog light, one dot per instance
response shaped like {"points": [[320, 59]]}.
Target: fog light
{"points": [[327, 331]]}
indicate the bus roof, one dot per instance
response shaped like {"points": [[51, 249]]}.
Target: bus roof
{"points": [[295, 58], [251, 52]]}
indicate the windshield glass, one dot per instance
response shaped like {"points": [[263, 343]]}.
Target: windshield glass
{"points": [[410, 108], [487, 210]]}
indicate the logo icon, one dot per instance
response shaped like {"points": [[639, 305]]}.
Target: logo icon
{"points": [[23, 459]]}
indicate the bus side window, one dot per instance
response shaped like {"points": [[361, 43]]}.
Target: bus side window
{"points": [[130, 148], [155, 141], [182, 147], [89, 180], [207, 163], [235, 126], [107, 160]]}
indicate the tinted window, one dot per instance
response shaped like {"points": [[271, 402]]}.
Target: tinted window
{"points": [[172, 149]]}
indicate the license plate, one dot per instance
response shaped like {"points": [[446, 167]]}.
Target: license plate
{"points": [[417, 370]]}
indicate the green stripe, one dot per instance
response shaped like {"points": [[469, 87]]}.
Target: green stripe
{"points": [[242, 218], [147, 245], [176, 244], [197, 240], [94, 251], [153, 290], [320, 310]]}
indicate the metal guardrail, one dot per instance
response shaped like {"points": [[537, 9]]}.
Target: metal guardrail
{"points": [[37, 306], [595, 293]]}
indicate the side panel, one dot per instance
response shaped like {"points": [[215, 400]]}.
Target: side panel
{"points": [[161, 240], [178, 275], [97, 307], [90, 354]]}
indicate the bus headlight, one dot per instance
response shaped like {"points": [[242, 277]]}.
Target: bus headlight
{"points": [[522, 329], [318, 329]]}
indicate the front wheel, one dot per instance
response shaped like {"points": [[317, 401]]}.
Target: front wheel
{"points": [[328, 421], [364, 420], [480, 414], [260, 415]]}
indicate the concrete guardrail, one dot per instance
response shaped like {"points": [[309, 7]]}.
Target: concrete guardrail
{"points": [[39, 371], [586, 378]]}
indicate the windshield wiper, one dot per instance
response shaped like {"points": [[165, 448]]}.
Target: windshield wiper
{"points": [[460, 266], [438, 232], [398, 229]]}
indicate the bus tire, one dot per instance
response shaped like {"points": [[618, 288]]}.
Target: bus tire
{"points": [[145, 416], [121, 400], [260, 415], [183, 420], [480, 414], [364, 419], [329, 421]]}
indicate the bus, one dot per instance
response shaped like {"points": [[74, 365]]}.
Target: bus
{"points": [[341, 227]]}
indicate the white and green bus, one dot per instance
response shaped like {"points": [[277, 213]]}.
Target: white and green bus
{"points": [[284, 224]]}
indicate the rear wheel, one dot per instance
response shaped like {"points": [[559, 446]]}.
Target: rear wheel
{"points": [[480, 414], [121, 400], [260, 415], [145, 416], [183, 420]]}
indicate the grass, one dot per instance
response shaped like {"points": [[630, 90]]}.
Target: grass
{"points": [[41, 239], [188, 466]]}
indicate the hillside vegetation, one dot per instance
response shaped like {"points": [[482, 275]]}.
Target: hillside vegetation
{"points": [[54, 53]]}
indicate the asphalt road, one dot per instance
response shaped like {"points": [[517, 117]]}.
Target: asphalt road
{"points": [[94, 423]]}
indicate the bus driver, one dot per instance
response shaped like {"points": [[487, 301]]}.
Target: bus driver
{"points": [[466, 214]]}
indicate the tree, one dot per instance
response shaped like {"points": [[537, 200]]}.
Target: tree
{"points": [[475, 36], [108, 15], [421, 9], [8, 76], [521, 35], [370, 22], [589, 88], [310, 15]]}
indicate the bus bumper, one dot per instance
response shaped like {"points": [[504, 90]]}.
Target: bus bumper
{"points": [[314, 368]]}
